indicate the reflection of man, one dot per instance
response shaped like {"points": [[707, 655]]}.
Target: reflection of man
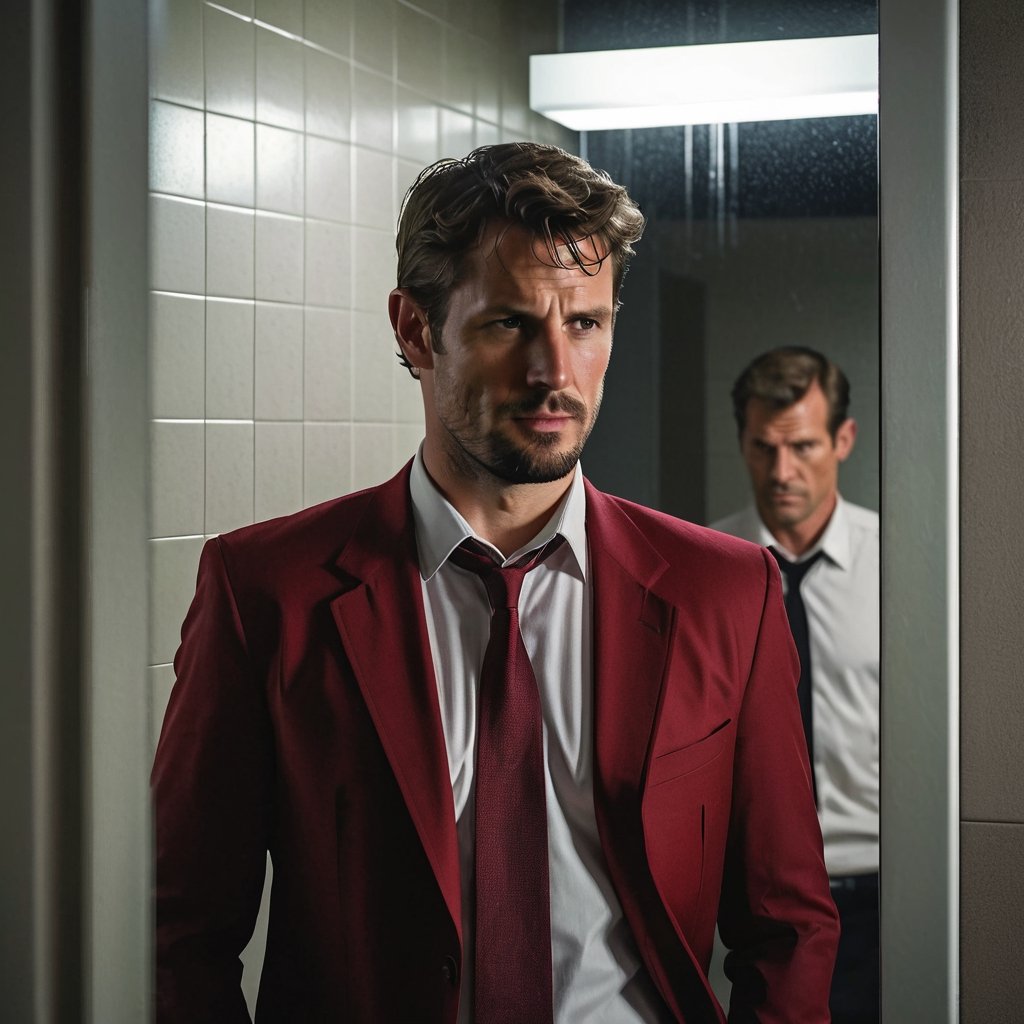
{"points": [[791, 408], [516, 815]]}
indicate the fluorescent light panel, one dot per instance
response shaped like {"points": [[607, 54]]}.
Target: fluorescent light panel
{"points": [[775, 80]]}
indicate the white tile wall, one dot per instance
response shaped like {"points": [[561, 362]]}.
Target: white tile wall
{"points": [[284, 134]]}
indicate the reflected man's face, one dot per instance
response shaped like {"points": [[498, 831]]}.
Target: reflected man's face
{"points": [[793, 461]]}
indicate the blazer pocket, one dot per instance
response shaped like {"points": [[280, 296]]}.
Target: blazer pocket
{"points": [[685, 760]]}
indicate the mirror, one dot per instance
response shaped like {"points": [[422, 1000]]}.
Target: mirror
{"points": [[760, 235]]}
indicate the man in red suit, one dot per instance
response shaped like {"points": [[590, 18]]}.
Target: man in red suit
{"points": [[483, 808]]}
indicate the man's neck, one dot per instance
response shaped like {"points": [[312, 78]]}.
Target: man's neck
{"points": [[504, 514]]}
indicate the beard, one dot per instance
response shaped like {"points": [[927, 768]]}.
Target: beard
{"points": [[538, 460]]}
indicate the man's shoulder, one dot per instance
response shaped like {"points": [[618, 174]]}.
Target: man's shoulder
{"points": [[743, 523], [688, 546], [292, 544], [860, 517]]}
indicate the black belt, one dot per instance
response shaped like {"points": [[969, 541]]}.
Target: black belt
{"points": [[853, 883]]}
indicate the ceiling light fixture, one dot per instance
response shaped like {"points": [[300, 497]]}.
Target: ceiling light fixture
{"points": [[774, 80]]}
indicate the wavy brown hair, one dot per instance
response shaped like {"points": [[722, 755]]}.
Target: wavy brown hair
{"points": [[559, 197], [783, 375]]}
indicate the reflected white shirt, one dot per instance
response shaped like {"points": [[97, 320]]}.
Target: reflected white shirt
{"points": [[840, 594], [597, 972]]}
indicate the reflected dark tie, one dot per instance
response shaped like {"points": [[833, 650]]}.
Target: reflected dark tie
{"points": [[794, 573], [513, 915]]}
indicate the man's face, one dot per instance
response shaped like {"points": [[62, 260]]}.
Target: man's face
{"points": [[516, 389], [794, 462]]}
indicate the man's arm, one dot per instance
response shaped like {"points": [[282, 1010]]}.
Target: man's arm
{"points": [[776, 916], [211, 783]]}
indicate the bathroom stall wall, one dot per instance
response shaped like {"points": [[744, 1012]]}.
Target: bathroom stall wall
{"points": [[991, 193], [283, 136]]}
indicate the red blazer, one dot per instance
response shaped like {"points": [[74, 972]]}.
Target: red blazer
{"points": [[305, 720]]}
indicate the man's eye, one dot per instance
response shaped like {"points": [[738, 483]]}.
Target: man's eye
{"points": [[585, 323], [511, 323]]}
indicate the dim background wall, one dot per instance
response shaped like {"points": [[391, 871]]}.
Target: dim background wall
{"points": [[283, 136], [991, 497]]}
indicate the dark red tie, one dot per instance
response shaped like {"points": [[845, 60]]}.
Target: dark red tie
{"points": [[513, 915]]}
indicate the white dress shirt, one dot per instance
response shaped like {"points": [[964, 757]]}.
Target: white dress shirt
{"points": [[597, 972], [840, 593]]}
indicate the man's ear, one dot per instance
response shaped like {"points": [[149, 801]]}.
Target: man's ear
{"points": [[846, 437], [409, 320]]}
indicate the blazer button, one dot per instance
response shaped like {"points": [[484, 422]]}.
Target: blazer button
{"points": [[450, 970]]}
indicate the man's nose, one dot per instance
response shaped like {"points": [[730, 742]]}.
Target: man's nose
{"points": [[783, 464], [548, 365]]}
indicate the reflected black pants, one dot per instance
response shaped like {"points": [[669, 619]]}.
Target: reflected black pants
{"points": [[854, 998]]}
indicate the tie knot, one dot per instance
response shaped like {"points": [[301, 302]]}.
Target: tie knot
{"points": [[503, 583], [795, 571]]}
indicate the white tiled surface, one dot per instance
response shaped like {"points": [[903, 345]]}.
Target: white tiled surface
{"points": [[283, 136]]}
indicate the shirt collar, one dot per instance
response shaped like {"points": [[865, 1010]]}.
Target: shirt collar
{"points": [[440, 528], [834, 543]]}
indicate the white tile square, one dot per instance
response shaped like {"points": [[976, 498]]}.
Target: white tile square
{"points": [[328, 264], [175, 150], [176, 53], [327, 461], [487, 82], [279, 257], [329, 24], [406, 172], [229, 476], [177, 353], [279, 355], [173, 564], [485, 134], [373, 35], [374, 368], [229, 48], [418, 46], [376, 266], [328, 179], [374, 178], [407, 440], [279, 80], [278, 469], [177, 257], [230, 330], [161, 682], [460, 69], [373, 109], [373, 454], [230, 244], [280, 170], [283, 14], [415, 126], [177, 478], [328, 365], [328, 95], [230, 160], [457, 133], [515, 93]]}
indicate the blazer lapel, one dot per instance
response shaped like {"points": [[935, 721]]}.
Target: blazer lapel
{"points": [[632, 629], [382, 625]]}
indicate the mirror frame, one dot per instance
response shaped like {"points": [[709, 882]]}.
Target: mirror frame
{"points": [[918, 220]]}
